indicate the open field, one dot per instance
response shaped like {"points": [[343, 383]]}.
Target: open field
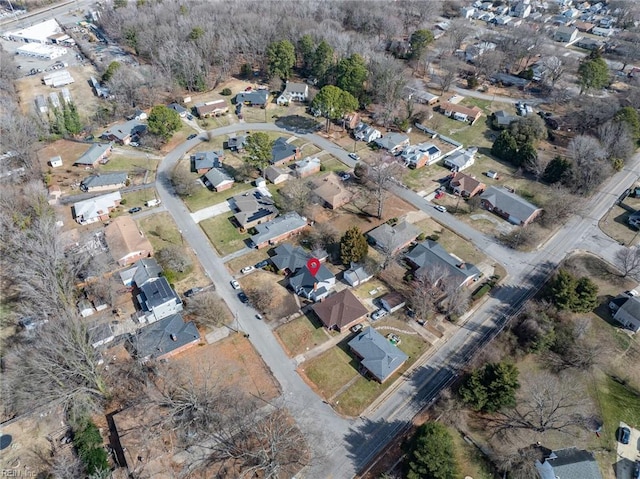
{"points": [[223, 234], [301, 334]]}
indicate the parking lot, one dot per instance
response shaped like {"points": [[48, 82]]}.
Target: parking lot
{"points": [[628, 454]]}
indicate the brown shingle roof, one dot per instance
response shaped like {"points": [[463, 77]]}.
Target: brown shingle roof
{"points": [[340, 309], [124, 237], [473, 112]]}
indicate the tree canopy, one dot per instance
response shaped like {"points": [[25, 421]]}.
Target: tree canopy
{"points": [[163, 121], [419, 41], [505, 147], [490, 388], [333, 102], [281, 57], [558, 169], [579, 295], [353, 246], [258, 148], [431, 453], [351, 73], [322, 63], [593, 73]]}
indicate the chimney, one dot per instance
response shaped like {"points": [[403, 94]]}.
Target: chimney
{"points": [[174, 337], [462, 266]]}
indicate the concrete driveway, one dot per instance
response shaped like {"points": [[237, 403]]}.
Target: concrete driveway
{"points": [[628, 454]]}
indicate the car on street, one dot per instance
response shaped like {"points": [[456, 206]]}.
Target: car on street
{"points": [[192, 136], [440, 208], [135, 210], [380, 313], [353, 156], [259, 316], [243, 297], [262, 264], [624, 435], [191, 292], [356, 328], [189, 117], [247, 269], [235, 284]]}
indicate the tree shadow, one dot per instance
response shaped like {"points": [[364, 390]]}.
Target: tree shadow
{"points": [[298, 124]]}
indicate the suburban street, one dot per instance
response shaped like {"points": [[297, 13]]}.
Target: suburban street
{"points": [[342, 447]]}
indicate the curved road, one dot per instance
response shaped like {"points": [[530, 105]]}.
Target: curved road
{"points": [[341, 447]]}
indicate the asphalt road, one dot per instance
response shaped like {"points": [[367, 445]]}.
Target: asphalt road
{"points": [[342, 447]]}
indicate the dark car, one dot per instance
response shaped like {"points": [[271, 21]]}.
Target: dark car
{"points": [[135, 210], [636, 471], [192, 136], [243, 297], [262, 264], [191, 292], [624, 435]]}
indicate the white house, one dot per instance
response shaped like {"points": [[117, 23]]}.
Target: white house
{"points": [[96, 209], [461, 160], [293, 92], [467, 12], [366, 133]]}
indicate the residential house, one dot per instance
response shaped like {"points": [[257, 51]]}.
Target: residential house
{"points": [[212, 108], [278, 229], [461, 159], [96, 209], [510, 80], [356, 275], [138, 115], [399, 48], [97, 153], [589, 43], [127, 244], [179, 109], [429, 256], [340, 311], [351, 120], [330, 190], [164, 338], [203, 161], [366, 133], [510, 206], [466, 186], [253, 98], [422, 96], [306, 167], [628, 314], [460, 112], [125, 133], [473, 52], [571, 13], [101, 334], [283, 152], [584, 27], [314, 287], [393, 302], [502, 119], [569, 463], [467, 12], [293, 92], [157, 300], [417, 156], [217, 179], [393, 142], [522, 9], [236, 143], [602, 32], [104, 182], [566, 34], [276, 175], [378, 357], [288, 259], [142, 271], [393, 239], [85, 308], [252, 208], [55, 162]]}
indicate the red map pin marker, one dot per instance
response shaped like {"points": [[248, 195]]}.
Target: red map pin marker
{"points": [[313, 265]]}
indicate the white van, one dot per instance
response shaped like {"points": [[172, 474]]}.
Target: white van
{"points": [[151, 203]]}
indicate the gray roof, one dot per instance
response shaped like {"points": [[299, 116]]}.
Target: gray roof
{"points": [[277, 227], [123, 130], [164, 336], [356, 274], [379, 356], [304, 279], [460, 158], [255, 97], [217, 176], [295, 88], [394, 237], [156, 293], [510, 203], [94, 152], [97, 206], [429, 254], [289, 258], [104, 179], [237, 142], [307, 164], [630, 311], [391, 140], [177, 108], [503, 118], [146, 269], [252, 205], [281, 150], [509, 80], [570, 463], [207, 159]]}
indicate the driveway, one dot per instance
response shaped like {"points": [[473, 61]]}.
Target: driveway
{"points": [[628, 454]]}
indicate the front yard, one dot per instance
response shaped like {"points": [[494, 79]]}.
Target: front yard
{"points": [[301, 334], [223, 234]]}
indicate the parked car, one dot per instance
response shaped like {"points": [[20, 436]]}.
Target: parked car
{"points": [[441, 208], [262, 264], [356, 328], [380, 313], [631, 293], [344, 176], [192, 136], [243, 297], [259, 316], [636, 471], [235, 284], [134, 143], [189, 117], [353, 156], [247, 269], [135, 210], [193, 291], [624, 435]]}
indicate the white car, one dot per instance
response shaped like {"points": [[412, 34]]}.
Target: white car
{"points": [[235, 284], [440, 208], [380, 313], [353, 156], [247, 269]]}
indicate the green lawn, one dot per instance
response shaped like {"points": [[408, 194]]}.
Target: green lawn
{"points": [[124, 163], [617, 403], [204, 197], [471, 461], [161, 230], [331, 163], [224, 236], [138, 198], [331, 370], [302, 334]]}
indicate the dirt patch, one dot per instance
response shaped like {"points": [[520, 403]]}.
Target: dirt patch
{"points": [[283, 303]]}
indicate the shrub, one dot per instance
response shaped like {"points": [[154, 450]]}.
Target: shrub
{"points": [[226, 92], [123, 201], [480, 292], [421, 237]]}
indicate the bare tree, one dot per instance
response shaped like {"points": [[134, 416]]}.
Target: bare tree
{"points": [[382, 171], [457, 298], [387, 83], [616, 139], [183, 183], [559, 206], [261, 296], [590, 164], [489, 63], [426, 292], [554, 68], [174, 258], [448, 72], [628, 260], [457, 34], [297, 194], [208, 310]]}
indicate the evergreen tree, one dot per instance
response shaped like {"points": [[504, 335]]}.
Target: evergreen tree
{"points": [[505, 147], [305, 48], [630, 117], [586, 299], [351, 73], [322, 62], [163, 121], [282, 57], [419, 41], [259, 150], [56, 122], [593, 72], [431, 453], [72, 121], [562, 290], [353, 246], [333, 103], [557, 170], [491, 387]]}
